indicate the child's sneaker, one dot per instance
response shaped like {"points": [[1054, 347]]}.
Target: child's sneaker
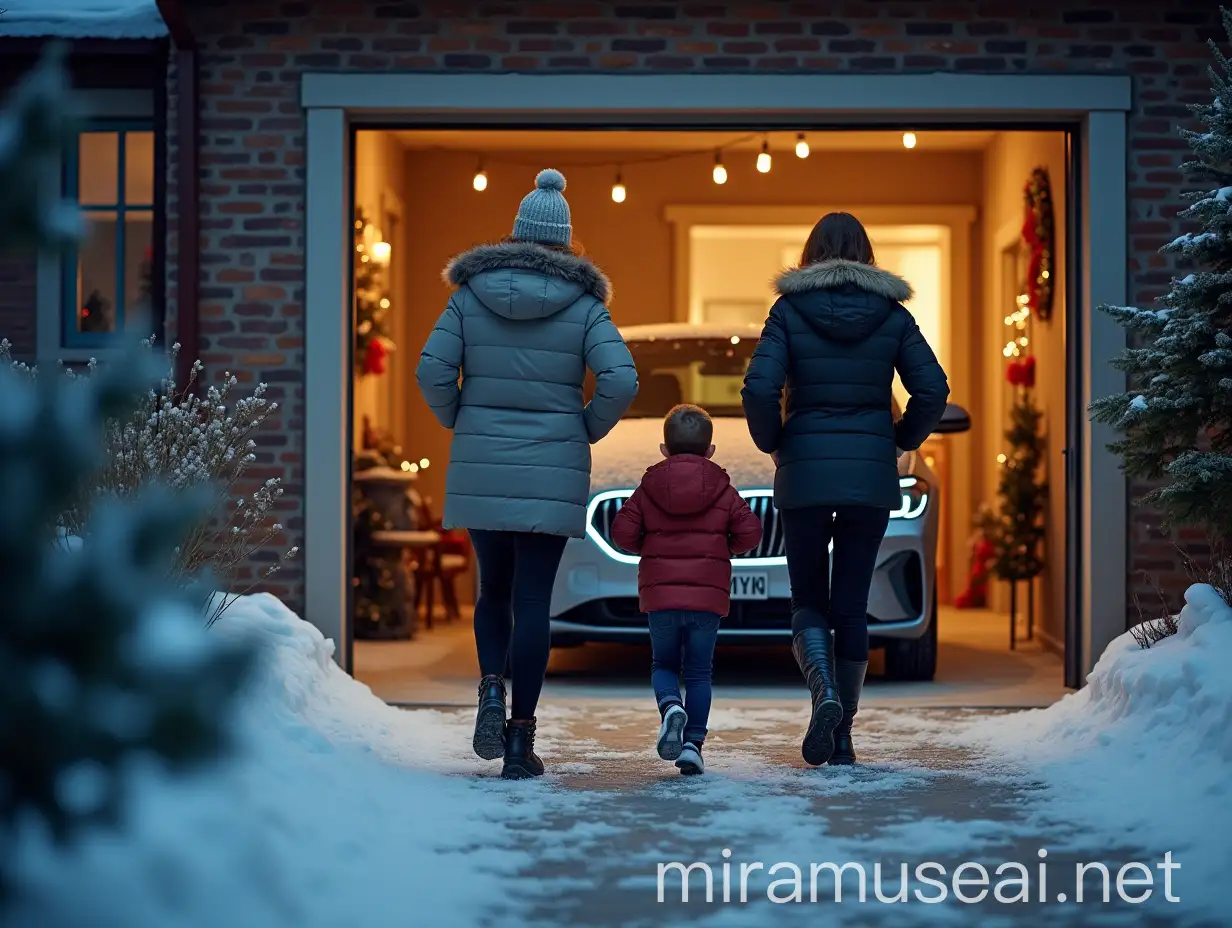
{"points": [[671, 740], [690, 760]]}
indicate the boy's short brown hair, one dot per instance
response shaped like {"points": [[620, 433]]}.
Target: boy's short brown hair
{"points": [[687, 429]]}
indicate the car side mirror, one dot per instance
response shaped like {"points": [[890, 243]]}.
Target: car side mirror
{"points": [[954, 419]]}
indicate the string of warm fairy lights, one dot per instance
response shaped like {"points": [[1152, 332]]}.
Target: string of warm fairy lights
{"points": [[620, 190]]}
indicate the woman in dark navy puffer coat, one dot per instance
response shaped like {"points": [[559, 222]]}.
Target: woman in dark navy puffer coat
{"points": [[834, 340]]}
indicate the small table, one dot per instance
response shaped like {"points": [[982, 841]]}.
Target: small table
{"points": [[422, 542]]}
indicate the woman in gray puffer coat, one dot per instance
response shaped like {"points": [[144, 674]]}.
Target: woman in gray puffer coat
{"points": [[504, 369]]}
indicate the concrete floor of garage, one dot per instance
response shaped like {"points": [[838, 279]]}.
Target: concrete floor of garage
{"points": [[976, 669]]}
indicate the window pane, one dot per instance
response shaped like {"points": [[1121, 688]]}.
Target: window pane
{"points": [[138, 266], [96, 274], [98, 170], [139, 168]]}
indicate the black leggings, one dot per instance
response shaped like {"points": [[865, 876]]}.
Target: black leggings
{"points": [[841, 605], [516, 574]]}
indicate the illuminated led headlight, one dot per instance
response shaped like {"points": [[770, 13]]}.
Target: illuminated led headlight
{"points": [[914, 498]]}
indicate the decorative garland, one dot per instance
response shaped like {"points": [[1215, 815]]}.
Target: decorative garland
{"points": [[1039, 234], [372, 303]]}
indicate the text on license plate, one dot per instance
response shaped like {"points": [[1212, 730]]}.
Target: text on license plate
{"points": [[745, 585]]}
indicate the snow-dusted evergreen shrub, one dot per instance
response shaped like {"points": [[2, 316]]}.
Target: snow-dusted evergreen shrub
{"points": [[187, 437], [103, 661], [1176, 419]]}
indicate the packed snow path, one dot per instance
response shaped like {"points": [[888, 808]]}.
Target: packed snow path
{"points": [[592, 833]]}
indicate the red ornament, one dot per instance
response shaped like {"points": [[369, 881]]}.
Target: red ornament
{"points": [[374, 357], [1021, 372]]}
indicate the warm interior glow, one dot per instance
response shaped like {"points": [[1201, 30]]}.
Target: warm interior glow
{"points": [[909, 140], [381, 252], [618, 192], [802, 146], [763, 159], [481, 181], [720, 173]]}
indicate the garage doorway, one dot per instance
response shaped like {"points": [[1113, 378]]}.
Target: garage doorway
{"points": [[1094, 106], [681, 252]]}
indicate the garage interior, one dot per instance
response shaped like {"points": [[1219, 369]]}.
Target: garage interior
{"points": [[945, 210]]}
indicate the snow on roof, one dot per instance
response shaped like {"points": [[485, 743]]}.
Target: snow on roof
{"points": [[638, 333], [81, 19]]}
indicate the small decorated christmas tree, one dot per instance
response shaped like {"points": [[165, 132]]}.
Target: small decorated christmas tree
{"points": [[372, 301], [1176, 418], [1020, 526]]}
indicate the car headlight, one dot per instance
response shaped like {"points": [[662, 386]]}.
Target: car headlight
{"points": [[914, 498]]}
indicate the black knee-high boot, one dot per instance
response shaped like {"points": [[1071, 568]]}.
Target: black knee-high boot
{"points": [[850, 678], [814, 651]]}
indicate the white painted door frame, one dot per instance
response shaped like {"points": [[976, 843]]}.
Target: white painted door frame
{"points": [[1096, 105]]}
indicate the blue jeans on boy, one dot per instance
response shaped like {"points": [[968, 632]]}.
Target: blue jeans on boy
{"points": [[682, 647]]}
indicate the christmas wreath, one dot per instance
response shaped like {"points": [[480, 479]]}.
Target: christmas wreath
{"points": [[372, 303], [1039, 234]]}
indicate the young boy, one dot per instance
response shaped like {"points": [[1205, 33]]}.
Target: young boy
{"points": [[686, 520]]}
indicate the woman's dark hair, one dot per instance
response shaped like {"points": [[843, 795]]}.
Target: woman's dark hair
{"points": [[575, 248], [837, 235]]}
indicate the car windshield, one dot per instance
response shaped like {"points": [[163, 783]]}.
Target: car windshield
{"points": [[706, 371]]}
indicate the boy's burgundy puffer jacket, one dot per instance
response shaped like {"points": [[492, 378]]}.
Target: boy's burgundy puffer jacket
{"points": [[686, 520]]}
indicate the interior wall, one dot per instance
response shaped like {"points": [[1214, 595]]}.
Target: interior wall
{"points": [[380, 186], [1008, 162], [631, 241]]}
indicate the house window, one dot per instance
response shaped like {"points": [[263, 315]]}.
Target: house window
{"points": [[108, 286]]}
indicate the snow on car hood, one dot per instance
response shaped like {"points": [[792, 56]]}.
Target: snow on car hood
{"points": [[620, 459]]}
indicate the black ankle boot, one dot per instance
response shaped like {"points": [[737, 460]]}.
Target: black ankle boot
{"points": [[521, 761], [850, 679], [814, 651], [489, 741]]}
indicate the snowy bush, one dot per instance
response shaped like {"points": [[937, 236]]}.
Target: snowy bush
{"points": [[1176, 419], [102, 660], [186, 437]]}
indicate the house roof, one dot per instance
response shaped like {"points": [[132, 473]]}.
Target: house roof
{"points": [[81, 19]]}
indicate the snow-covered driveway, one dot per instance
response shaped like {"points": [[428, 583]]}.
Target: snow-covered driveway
{"points": [[591, 836], [341, 810]]}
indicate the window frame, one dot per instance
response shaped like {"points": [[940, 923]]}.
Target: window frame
{"points": [[132, 105], [70, 338]]}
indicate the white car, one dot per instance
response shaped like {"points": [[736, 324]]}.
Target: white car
{"points": [[595, 596]]}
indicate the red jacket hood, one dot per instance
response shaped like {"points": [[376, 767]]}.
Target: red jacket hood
{"points": [[685, 484]]}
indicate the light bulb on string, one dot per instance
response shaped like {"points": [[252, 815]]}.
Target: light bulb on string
{"points": [[480, 181], [909, 140], [802, 146], [618, 190], [763, 158], [720, 173]]}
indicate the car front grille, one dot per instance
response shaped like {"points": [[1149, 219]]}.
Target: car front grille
{"points": [[760, 501]]}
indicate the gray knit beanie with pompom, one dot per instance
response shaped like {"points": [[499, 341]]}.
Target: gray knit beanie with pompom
{"points": [[544, 214]]}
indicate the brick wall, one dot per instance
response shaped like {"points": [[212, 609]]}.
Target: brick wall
{"points": [[17, 317], [253, 129]]}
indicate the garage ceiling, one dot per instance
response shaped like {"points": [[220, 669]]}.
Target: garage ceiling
{"points": [[491, 140]]}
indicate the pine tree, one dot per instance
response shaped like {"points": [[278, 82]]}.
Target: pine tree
{"points": [[102, 660], [1176, 419], [1019, 533], [372, 342]]}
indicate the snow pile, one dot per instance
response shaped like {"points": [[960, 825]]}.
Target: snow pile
{"points": [[318, 820], [1145, 748], [77, 19]]}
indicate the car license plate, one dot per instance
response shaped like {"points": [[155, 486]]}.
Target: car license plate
{"points": [[745, 585]]}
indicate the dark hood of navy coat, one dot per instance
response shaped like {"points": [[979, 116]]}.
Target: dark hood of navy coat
{"points": [[833, 341], [504, 369]]}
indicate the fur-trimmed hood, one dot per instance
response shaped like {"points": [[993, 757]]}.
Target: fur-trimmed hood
{"points": [[844, 301], [835, 273], [528, 256]]}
